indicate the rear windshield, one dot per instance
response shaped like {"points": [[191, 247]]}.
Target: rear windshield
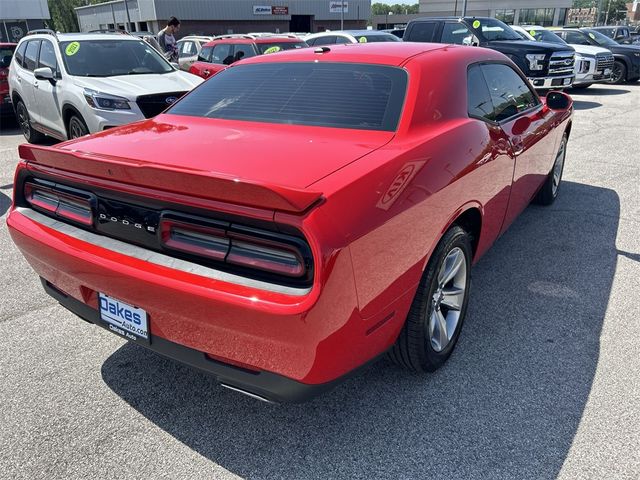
{"points": [[107, 58], [273, 47], [341, 95]]}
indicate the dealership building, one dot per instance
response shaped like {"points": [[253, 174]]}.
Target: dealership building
{"points": [[17, 17], [534, 12], [217, 17]]}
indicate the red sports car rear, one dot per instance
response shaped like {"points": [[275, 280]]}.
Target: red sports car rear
{"points": [[296, 216]]}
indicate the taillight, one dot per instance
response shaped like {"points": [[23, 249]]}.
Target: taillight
{"points": [[240, 246], [74, 206]]}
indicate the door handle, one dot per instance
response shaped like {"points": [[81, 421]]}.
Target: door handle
{"points": [[35, 85]]}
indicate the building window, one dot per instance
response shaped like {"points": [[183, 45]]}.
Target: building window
{"points": [[562, 17], [507, 16], [143, 26], [536, 16]]}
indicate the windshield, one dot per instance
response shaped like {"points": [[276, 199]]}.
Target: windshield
{"points": [[376, 38], [340, 95], [274, 47], [546, 36], [493, 29], [107, 58], [599, 38]]}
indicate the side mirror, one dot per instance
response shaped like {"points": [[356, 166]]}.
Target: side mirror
{"points": [[44, 73], [559, 101]]}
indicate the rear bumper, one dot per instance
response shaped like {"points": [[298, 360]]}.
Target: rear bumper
{"points": [[552, 82], [300, 344], [265, 386]]}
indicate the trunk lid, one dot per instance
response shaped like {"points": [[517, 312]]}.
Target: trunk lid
{"points": [[247, 163]]}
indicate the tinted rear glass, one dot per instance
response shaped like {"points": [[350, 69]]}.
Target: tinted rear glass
{"points": [[376, 38], [341, 95]]}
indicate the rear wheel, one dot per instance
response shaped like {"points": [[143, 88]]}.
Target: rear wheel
{"points": [[619, 74], [549, 191], [434, 321], [24, 121], [77, 128]]}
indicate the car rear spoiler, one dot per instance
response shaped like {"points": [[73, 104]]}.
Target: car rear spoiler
{"points": [[208, 185]]}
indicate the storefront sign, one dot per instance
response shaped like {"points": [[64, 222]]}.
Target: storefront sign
{"points": [[262, 9], [335, 7], [280, 10]]}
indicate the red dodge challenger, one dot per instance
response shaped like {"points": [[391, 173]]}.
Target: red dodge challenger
{"points": [[298, 215]]}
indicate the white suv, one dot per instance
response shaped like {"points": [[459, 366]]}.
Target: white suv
{"points": [[68, 85]]}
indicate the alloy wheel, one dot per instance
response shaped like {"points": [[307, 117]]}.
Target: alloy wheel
{"points": [[448, 299], [23, 120]]}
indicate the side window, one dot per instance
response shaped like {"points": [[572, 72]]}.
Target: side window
{"points": [[342, 39], [478, 98], [19, 55], [222, 54], [510, 94], [241, 51], [48, 57], [326, 40], [576, 38], [458, 34], [184, 49], [31, 55], [422, 31], [205, 54], [193, 49]]}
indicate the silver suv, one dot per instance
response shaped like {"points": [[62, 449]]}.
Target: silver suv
{"points": [[68, 85]]}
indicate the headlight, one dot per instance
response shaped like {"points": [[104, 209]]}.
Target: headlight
{"points": [[104, 101], [583, 62], [535, 61]]}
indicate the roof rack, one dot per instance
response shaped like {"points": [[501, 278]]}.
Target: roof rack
{"points": [[43, 31], [110, 30], [235, 35], [271, 34]]}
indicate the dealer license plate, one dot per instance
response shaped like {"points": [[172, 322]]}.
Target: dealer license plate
{"points": [[123, 319]]}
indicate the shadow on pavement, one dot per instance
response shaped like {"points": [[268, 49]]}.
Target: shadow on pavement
{"points": [[595, 90], [9, 126], [5, 203], [584, 105], [506, 405]]}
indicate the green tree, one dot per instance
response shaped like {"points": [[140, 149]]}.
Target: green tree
{"points": [[617, 10], [384, 9], [63, 15]]}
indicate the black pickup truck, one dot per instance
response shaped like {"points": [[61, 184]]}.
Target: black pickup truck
{"points": [[546, 65]]}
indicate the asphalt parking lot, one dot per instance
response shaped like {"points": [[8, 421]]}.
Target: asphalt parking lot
{"points": [[544, 383]]}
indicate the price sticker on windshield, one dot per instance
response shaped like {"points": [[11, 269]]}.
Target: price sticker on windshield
{"points": [[273, 49], [362, 40], [72, 49], [476, 24], [532, 33], [592, 36]]}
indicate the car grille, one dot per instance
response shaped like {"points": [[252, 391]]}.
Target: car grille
{"points": [[603, 61], [561, 63], [152, 105]]}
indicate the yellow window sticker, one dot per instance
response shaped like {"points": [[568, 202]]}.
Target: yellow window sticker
{"points": [[592, 36], [362, 39], [532, 33], [476, 24], [273, 49], [72, 49]]}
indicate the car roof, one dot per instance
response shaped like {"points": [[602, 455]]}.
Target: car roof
{"points": [[383, 53], [71, 37], [250, 39]]}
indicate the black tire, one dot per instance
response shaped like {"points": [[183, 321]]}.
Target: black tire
{"points": [[549, 191], [76, 127], [24, 122], [413, 349], [619, 74]]}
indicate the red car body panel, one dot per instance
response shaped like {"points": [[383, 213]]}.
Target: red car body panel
{"points": [[372, 206], [208, 69]]}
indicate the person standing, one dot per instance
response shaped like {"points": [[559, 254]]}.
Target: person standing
{"points": [[167, 39]]}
